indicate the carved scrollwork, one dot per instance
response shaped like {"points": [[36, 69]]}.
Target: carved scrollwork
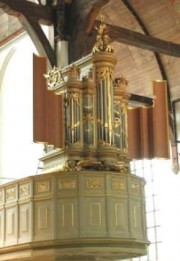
{"points": [[103, 73], [118, 185], [54, 77], [67, 184], [24, 190], [11, 193], [94, 183], [43, 186]]}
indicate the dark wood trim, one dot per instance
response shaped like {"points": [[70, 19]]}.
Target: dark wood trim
{"points": [[139, 40], [143, 100], [17, 7], [11, 37]]}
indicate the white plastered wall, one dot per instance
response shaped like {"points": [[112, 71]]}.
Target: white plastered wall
{"points": [[18, 154]]}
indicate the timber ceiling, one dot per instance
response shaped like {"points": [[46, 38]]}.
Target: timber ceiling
{"points": [[136, 27]]}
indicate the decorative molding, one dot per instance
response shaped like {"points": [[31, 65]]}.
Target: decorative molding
{"points": [[67, 184], [24, 190], [43, 186], [95, 214], [11, 193], [135, 187], [24, 219], [1, 197], [43, 217], [67, 215], [120, 217], [118, 185], [10, 223], [70, 215], [94, 183], [136, 216]]}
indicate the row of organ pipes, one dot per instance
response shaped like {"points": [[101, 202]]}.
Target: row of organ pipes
{"points": [[102, 106]]}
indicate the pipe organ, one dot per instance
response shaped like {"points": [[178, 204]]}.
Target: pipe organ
{"points": [[86, 204]]}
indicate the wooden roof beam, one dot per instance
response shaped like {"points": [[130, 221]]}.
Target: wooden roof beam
{"points": [[38, 37], [139, 40], [44, 14]]}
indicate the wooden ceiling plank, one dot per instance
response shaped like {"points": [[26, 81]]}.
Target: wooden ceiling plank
{"points": [[119, 34]]}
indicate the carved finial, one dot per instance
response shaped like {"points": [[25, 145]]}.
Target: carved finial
{"points": [[73, 72], [102, 38], [54, 77], [120, 82]]}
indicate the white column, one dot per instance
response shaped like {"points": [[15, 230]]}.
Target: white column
{"points": [[62, 53]]}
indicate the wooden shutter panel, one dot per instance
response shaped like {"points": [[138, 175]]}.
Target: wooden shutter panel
{"points": [[39, 99], [48, 121], [160, 120]]}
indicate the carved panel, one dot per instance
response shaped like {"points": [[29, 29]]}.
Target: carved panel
{"points": [[1, 197], [42, 217], [136, 216], [118, 184], [135, 187], [44, 220], [120, 215], [67, 184], [67, 215], [118, 220], [1, 225], [94, 183], [10, 223], [95, 214], [11, 194], [10, 226], [93, 217], [137, 221], [24, 219], [24, 190], [43, 186], [1, 234], [25, 222], [67, 218]]}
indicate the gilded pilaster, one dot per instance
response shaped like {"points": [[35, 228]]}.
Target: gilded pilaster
{"points": [[121, 98]]}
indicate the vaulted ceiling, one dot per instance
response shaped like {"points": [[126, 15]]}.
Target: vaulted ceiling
{"points": [[145, 34]]}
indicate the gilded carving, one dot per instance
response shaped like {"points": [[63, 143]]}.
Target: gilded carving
{"points": [[103, 73], [67, 184], [118, 185], [121, 82], [11, 193], [24, 190], [73, 72], [83, 164], [87, 117], [102, 39], [135, 187], [54, 77], [94, 183], [43, 186]]}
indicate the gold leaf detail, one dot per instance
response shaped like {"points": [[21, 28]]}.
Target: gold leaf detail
{"points": [[94, 183], [118, 185], [67, 184], [11, 194], [24, 190], [43, 187]]}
